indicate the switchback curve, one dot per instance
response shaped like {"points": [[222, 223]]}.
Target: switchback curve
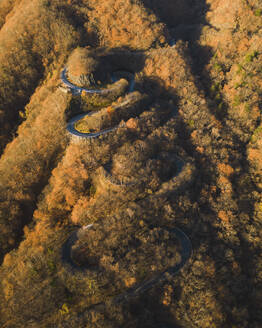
{"points": [[186, 251], [73, 131], [78, 91], [186, 246]]}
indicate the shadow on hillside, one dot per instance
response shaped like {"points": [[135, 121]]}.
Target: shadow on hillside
{"points": [[77, 19], [228, 284], [183, 18], [243, 250], [238, 295], [108, 62], [230, 287]]}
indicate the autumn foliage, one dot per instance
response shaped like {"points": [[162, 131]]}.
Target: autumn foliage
{"points": [[110, 18], [185, 152]]}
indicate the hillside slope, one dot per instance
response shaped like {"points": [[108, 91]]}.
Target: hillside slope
{"points": [[155, 220]]}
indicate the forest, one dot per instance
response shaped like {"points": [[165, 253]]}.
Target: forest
{"points": [[130, 163]]}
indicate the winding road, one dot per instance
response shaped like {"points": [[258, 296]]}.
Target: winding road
{"points": [[186, 247], [164, 276], [73, 131], [78, 91], [186, 251]]}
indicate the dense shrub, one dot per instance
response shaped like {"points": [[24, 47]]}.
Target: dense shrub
{"points": [[26, 162], [26, 52], [202, 102], [110, 19], [5, 7]]}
